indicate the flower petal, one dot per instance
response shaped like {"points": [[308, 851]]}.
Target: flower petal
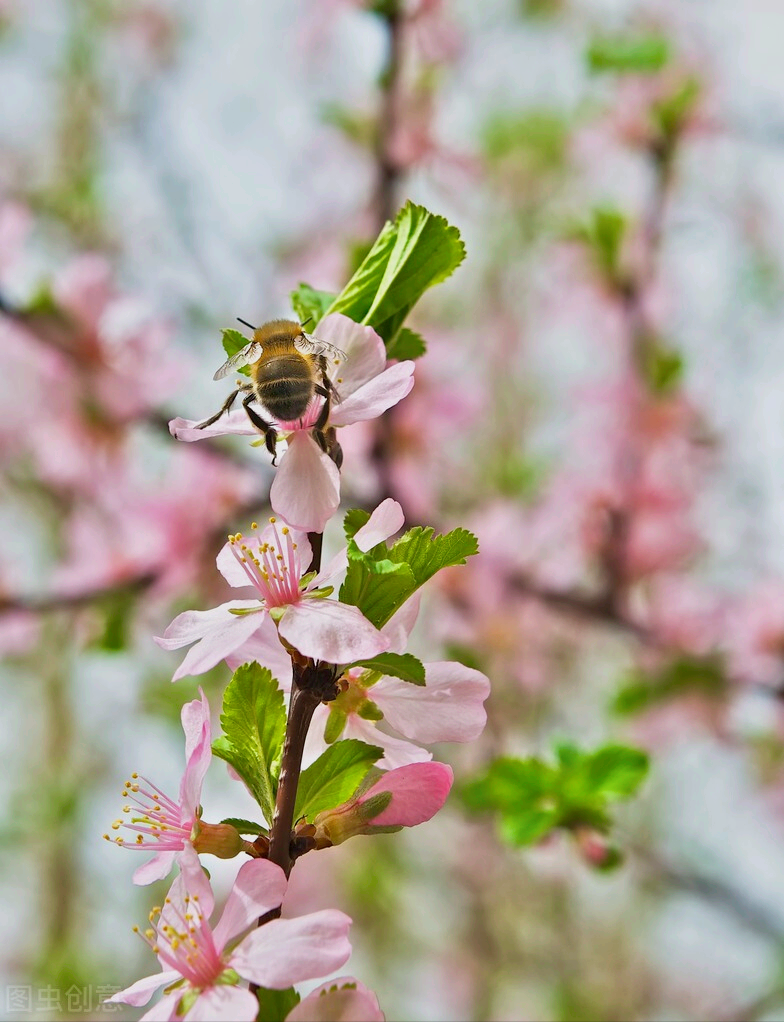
{"points": [[198, 751], [447, 709], [399, 626], [266, 649], [165, 1010], [222, 1002], [397, 753], [365, 352], [418, 790], [340, 1000], [216, 632], [142, 990], [231, 569], [375, 396], [385, 521], [259, 887], [192, 881], [331, 631], [235, 422], [158, 867], [306, 487], [286, 951]]}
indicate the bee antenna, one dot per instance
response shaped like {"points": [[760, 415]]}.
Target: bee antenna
{"points": [[245, 323], [308, 320]]}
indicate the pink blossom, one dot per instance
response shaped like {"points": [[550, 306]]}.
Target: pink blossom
{"points": [[755, 636], [274, 563], [164, 824], [403, 797], [340, 1000], [201, 960], [306, 488], [447, 708]]}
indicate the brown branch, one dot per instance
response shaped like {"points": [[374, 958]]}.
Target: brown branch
{"points": [[73, 601]]}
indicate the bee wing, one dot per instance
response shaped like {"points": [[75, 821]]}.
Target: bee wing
{"points": [[306, 344], [245, 356]]}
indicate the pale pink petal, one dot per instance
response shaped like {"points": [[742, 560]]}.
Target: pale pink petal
{"points": [[142, 990], [222, 1003], [266, 649], [165, 1010], [192, 880], [364, 350], [397, 753], [231, 569], [259, 887], [399, 626], [375, 396], [447, 709], [331, 631], [236, 423], [419, 790], [218, 631], [306, 487], [314, 743], [158, 867], [198, 749], [385, 521], [286, 951], [350, 1002]]}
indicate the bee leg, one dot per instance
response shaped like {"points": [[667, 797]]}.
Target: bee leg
{"points": [[270, 435], [224, 408]]}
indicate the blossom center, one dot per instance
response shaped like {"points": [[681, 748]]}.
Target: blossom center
{"points": [[183, 941], [272, 564], [160, 822]]}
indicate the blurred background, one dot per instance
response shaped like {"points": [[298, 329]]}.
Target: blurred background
{"points": [[601, 401]]}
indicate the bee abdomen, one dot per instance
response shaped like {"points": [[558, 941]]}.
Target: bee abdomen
{"points": [[286, 399]]}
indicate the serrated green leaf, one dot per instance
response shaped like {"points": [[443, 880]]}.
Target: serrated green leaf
{"points": [[234, 341], [380, 581], [406, 344], [275, 1005], [396, 665], [253, 722], [334, 777], [245, 826], [644, 53], [310, 304], [409, 256], [426, 554]]}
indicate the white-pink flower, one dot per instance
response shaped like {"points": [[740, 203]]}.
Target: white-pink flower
{"points": [[202, 966], [306, 488], [164, 825], [274, 563]]}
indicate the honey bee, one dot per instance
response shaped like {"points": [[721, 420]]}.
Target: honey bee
{"points": [[287, 369]]}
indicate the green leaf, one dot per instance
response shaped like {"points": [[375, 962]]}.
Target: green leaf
{"points": [[275, 1005], [644, 53], [334, 777], [409, 256], [245, 826], [310, 304], [381, 581], [616, 771], [531, 797], [234, 341], [406, 344], [396, 665], [680, 677], [662, 368], [671, 113], [253, 721]]}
